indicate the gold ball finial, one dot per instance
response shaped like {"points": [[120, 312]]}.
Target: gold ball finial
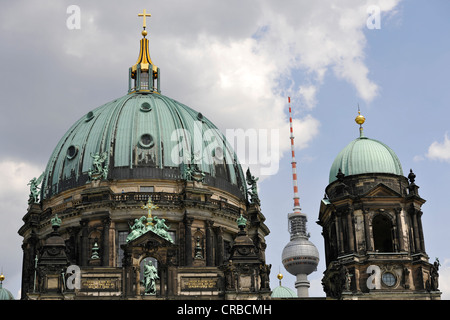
{"points": [[144, 33], [360, 118], [280, 276], [2, 277]]}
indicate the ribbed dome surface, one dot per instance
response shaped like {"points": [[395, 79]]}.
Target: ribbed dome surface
{"points": [[142, 134], [5, 294], [364, 155], [283, 292]]}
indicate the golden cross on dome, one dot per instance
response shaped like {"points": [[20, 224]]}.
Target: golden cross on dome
{"points": [[144, 14]]}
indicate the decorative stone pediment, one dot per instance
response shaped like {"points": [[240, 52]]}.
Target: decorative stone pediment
{"points": [[150, 239], [382, 190]]}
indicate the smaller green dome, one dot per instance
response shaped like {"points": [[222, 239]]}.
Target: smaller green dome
{"points": [[5, 294], [283, 292], [364, 155]]}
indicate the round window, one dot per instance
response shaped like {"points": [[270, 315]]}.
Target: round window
{"points": [[72, 152], [89, 116], [388, 279], [146, 107], [146, 141]]}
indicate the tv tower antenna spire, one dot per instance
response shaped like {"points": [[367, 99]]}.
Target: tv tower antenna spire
{"points": [[294, 163]]}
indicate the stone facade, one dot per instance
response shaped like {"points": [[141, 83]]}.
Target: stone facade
{"points": [[97, 217], [374, 242]]}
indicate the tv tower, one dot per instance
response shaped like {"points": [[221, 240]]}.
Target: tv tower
{"points": [[300, 256]]}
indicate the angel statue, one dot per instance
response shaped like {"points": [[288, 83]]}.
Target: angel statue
{"points": [[252, 182], [34, 189], [191, 171], [98, 170], [161, 229]]}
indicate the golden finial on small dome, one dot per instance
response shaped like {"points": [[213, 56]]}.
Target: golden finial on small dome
{"points": [[280, 276], [360, 118], [2, 277]]}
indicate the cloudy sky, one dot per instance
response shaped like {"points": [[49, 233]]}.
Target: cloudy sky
{"points": [[237, 62]]}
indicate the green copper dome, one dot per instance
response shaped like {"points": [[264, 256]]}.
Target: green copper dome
{"points": [[281, 292], [364, 155], [5, 294], [142, 136]]}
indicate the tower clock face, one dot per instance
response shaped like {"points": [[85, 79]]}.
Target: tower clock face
{"points": [[389, 279]]}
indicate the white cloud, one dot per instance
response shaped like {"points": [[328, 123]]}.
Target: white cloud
{"points": [[444, 279], [237, 69], [234, 61], [322, 35], [308, 95], [14, 177], [440, 150], [14, 192], [244, 81]]}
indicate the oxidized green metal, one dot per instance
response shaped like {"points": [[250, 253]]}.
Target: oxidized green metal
{"points": [[35, 189], [150, 277], [241, 221], [140, 131], [143, 225], [55, 221], [364, 155]]}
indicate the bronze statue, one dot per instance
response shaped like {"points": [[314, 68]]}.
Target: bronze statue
{"points": [[150, 277]]}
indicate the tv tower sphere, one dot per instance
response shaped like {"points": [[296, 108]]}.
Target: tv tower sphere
{"points": [[300, 256]]}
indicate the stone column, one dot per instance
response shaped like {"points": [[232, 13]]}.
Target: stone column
{"points": [[171, 281], [188, 240], [367, 232], [209, 243], [351, 235], [162, 280], [416, 231], [220, 248], [105, 243], [84, 243], [398, 220], [419, 226], [340, 240]]}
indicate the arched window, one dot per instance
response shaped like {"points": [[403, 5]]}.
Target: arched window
{"points": [[382, 233]]}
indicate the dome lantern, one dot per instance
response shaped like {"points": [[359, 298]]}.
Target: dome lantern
{"points": [[144, 75]]}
